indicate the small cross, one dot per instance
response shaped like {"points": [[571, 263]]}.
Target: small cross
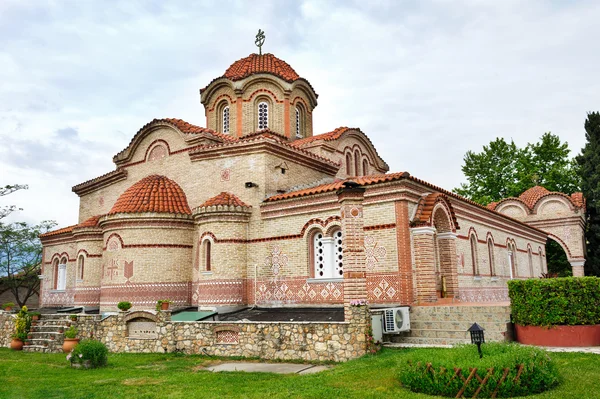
{"points": [[260, 40]]}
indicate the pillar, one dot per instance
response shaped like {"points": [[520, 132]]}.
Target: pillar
{"points": [[577, 266], [423, 247], [448, 264], [355, 271]]}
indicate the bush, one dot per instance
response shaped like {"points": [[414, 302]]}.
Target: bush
{"points": [[124, 306], [71, 332], [89, 351], [432, 371], [558, 301], [22, 324]]}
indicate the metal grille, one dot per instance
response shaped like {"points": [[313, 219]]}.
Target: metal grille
{"points": [[388, 320], [298, 134], [226, 120], [319, 255], [263, 116], [338, 253]]}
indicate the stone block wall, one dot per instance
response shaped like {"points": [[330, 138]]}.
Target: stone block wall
{"points": [[7, 328]]}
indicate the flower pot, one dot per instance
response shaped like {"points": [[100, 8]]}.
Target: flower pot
{"points": [[35, 318], [69, 344], [8, 309], [164, 306], [16, 344]]}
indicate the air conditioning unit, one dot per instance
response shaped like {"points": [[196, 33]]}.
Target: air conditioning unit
{"points": [[396, 320]]}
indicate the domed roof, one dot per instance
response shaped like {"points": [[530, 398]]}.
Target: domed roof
{"points": [[264, 63], [156, 194], [531, 196]]}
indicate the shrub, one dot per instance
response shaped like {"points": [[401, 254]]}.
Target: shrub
{"points": [[71, 332], [557, 301], [89, 351], [22, 324], [434, 371], [124, 306]]}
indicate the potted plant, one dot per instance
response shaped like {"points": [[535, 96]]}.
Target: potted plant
{"points": [[35, 316], [7, 307], [22, 325], [70, 340], [73, 317], [163, 304], [124, 306]]}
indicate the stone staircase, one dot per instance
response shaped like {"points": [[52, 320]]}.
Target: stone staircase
{"points": [[448, 325], [47, 335]]}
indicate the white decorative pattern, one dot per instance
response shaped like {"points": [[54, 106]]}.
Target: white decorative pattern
{"points": [[338, 253], [277, 260], [319, 251], [373, 252]]}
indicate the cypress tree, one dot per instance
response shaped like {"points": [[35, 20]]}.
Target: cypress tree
{"points": [[589, 162]]}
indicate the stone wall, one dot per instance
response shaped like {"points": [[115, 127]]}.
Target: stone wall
{"points": [[309, 341], [7, 328]]}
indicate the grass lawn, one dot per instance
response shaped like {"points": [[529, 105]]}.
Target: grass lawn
{"points": [[137, 376]]}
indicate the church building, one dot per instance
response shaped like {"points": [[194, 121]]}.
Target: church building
{"points": [[257, 209]]}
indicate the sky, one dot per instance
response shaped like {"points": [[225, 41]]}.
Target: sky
{"points": [[427, 81]]}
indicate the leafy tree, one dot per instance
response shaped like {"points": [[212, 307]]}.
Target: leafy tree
{"points": [[9, 189], [20, 258], [589, 161], [504, 170]]}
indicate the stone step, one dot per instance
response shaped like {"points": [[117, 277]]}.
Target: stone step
{"points": [[53, 335], [434, 341], [456, 325], [35, 348], [56, 328], [489, 335], [461, 317], [460, 309]]}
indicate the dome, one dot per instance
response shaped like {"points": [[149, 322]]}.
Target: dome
{"points": [[156, 194], [265, 63], [531, 196]]}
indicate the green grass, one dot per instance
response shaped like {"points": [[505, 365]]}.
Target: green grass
{"points": [[137, 376]]}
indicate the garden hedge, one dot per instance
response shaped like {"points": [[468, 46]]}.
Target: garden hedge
{"points": [[505, 371], [555, 301]]}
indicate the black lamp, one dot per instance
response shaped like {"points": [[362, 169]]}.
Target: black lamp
{"points": [[477, 337]]}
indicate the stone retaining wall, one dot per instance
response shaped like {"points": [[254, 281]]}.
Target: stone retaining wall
{"points": [[311, 341], [7, 327]]}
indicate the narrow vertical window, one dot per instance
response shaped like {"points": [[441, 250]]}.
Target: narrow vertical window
{"points": [[474, 255], [339, 256], [61, 283], [365, 167], [541, 261], [263, 115], [298, 130], [356, 163], [513, 258], [207, 256], [349, 164], [530, 258], [55, 275], [80, 267], [226, 120], [319, 253], [491, 258]]}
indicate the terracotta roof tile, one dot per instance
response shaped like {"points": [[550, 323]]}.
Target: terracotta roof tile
{"points": [[56, 232], [265, 133], [531, 196], [333, 135], [491, 205], [225, 198], [156, 194], [578, 200], [425, 209], [91, 222], [188, 128], [265, 63]]}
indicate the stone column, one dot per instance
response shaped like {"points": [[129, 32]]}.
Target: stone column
{"points": [[355, 282], [423, 247], [577, 266], [448, 264]]}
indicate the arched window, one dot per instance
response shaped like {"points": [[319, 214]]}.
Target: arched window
{"points": [[55, 275], [530, 259], [356, 163], [365, 167], [263, 115], [490, 244], [80, 265], [61, 279], [474, 259], [512, 259], [541, 260], [298, 122], [327, 254], [207, 256], [349, 164], [225, 119]]}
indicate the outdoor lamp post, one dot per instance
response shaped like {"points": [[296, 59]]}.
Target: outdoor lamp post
{"points": [[477, 337]]}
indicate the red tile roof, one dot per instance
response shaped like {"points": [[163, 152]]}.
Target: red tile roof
{"points": [[336, 185], [91, 222], [531, 196], [188, 128], [333, 135], [425, 209], [156, 194], [578, 200], [265, 63], [63, 230], [225, 198]]}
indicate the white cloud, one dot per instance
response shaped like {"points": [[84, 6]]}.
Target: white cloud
{"points": [[427, 81]]}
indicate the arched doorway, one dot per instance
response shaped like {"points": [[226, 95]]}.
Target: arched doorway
{"points": [[445, 251], [557, 261]]}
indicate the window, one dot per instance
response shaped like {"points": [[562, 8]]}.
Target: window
{"points": [[541, 260], [298, 117], [356, 163], [55, 275], [61, 278], [530, 258], [328, 257], [512, 259], [80, 265], [474, 261], [365, 167], [263, 115], [349, 164], [207, 255], [225, 120], [491, 257]]}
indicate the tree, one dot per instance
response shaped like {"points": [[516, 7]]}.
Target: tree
{"points": [[20, 258], [9, 189], [589, 162], [503, 170]]}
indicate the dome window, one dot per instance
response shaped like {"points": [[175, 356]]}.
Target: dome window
{"points": [[226, 120], [263, 115], [298, 131]]}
